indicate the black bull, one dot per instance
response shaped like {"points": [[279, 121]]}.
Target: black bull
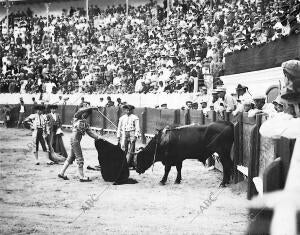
{"points": [[172, 146]]}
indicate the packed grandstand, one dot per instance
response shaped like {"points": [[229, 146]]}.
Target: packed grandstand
{"points": [[153, 49]]}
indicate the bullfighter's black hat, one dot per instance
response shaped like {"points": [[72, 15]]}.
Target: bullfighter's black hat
{"points": [[39, 107], [53, 106], [241, 87], [129, 107]]}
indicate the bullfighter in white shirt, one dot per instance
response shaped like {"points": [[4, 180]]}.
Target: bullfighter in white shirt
{"points": [[128, 132], [37, 123]]}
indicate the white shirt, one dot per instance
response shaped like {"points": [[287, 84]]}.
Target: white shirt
{"points": [[38, 121], [229, 102], [54, 116], [22, 109], [102, 103], [240, 105], [128, 123], [267, 108]]}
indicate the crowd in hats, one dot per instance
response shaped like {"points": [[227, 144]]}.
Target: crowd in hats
{"points": [[145, 52]]}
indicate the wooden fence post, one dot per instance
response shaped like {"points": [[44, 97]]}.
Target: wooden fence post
{"points": [[177, 117], [144, 125], [286, 151], [238, 149], [227, 116], [214, 116], [275, 174], [272, 177], [119, 112], [104, 120], [63, 113], [236, 153], [253, 168], [241, 146], [202, 117], [187, 120], [91, 117]]}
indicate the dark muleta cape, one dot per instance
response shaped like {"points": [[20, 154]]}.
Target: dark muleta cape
{"points": [[113, 163]]}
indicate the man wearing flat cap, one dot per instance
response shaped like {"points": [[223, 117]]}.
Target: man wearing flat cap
{"points": [[290, 92], [128, 132], [22, 110], [226, 99], [189, 104], [278, 104], [291, 70], [38, 125], [243, 98], [259, 102]]}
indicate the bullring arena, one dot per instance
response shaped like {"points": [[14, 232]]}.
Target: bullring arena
{"points": [[34, 201], [146, 117]]}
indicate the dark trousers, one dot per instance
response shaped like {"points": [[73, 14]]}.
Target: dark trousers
{"points": [[21, 118], [129, 146], [40, 139]]}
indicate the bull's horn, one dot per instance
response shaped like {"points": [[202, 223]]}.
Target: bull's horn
{"points": [[139, 150], [136, 152]]}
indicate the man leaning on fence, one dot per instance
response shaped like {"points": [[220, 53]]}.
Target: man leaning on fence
{"points": [[128, 131]]}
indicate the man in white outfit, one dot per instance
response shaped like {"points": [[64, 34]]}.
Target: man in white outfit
{"points": [[128, 132], [39, 131]]}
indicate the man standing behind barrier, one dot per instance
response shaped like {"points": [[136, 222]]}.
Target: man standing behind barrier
{"points": [[21, 113], [227, 100], [7, 115], [128, 131], [109, 103]]}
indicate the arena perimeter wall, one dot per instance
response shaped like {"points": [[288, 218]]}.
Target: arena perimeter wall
{"points": [[252, 154], [263, 57]]}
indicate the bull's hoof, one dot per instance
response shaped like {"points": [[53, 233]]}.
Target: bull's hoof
{"points": [[177, 182], [162, 182], [222, 185]]}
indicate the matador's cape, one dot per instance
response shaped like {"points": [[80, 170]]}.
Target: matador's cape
{"points": [[113, 163]]}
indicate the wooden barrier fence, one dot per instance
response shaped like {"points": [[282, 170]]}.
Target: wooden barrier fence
{"points": [[277, 210]]}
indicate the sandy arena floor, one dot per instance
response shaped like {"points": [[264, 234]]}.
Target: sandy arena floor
{"points": [[33, 200]]}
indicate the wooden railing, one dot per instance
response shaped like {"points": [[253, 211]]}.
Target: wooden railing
{"points": [[277, 212]]}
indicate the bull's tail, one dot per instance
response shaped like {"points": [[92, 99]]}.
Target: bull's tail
{"points": [[227, 133], [232, 151]]}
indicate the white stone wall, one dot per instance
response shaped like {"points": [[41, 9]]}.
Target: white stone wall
{"points": [[258, 81]]}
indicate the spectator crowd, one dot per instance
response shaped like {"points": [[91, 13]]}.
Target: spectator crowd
{"points": [[150, 50]]}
